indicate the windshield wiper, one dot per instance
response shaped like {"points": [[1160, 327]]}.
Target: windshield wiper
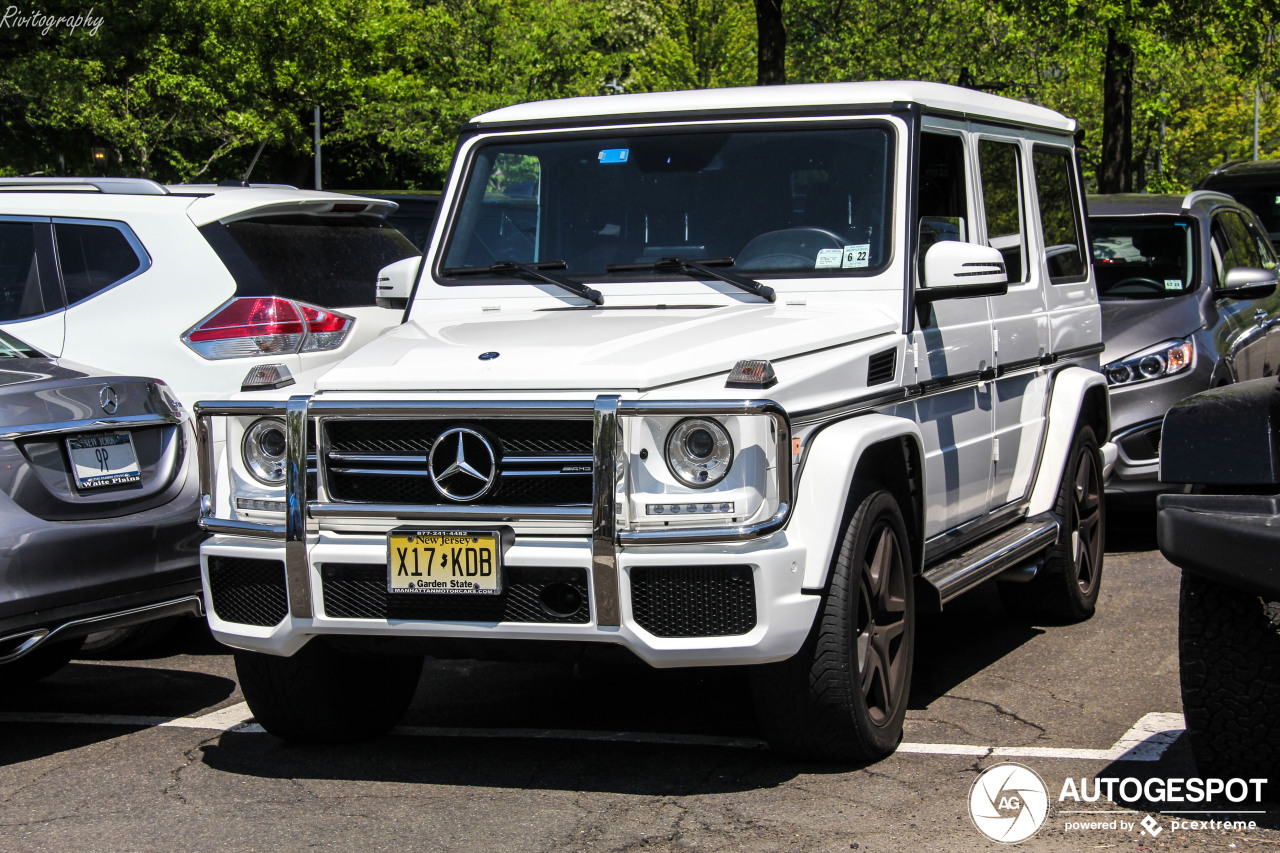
{"points": [[534, 270], [702, 266]]}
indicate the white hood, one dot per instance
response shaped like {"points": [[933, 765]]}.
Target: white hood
{"points": [[594, 348]]}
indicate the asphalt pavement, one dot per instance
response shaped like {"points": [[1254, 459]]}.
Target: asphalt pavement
{"points": [[160, 753]]}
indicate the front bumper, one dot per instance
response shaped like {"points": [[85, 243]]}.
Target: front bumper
{"points": [[1231, 539], [782, 612]]}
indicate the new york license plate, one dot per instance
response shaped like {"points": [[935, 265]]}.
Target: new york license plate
{"points": [[103, 459], [463, 562]]}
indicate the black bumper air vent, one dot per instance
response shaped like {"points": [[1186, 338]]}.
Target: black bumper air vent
{"points": [[880, 367], [248, 592], [1142, 445], [547, 595], [694, 601]]}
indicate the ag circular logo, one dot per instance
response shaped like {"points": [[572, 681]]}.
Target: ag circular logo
{"points": [[1008, 803]]}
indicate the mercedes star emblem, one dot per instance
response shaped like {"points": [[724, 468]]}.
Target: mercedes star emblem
{"points": [[107, 397], [462, 464]]}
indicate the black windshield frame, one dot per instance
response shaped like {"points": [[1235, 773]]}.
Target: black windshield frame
{"points": [[884, 220]]}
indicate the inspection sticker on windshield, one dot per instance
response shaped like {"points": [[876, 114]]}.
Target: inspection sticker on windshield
{"points": [[856, 256], [828, 259], [1173, 284]]}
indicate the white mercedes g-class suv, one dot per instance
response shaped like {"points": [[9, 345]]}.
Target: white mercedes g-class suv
{"points": [[733, 377]]}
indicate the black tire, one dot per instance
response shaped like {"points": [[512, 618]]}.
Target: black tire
{"points": [[832, 701], [1067, 585], [41, 663], [326, 695], [1229, 656]]}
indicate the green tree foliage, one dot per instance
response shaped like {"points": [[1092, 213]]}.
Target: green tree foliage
{"points": [[188, 89]]}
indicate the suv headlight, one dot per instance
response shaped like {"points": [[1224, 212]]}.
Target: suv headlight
{"points": [[692, 470], [263, 451], [699, 452], [1157, 362]]}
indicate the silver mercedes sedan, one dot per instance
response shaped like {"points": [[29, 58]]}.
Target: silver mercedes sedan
{"points": [[97, 508]]}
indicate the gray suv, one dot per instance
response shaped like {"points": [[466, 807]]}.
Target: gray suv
{"points": [[1187, 286]]}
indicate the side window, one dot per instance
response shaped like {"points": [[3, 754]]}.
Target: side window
{"points": [[20, 294], [1059, 214], [943, 191], [1244, 250], [1001, 172], [94, 257]]}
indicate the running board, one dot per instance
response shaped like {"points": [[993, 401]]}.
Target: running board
{"points": [[1009, 550]]}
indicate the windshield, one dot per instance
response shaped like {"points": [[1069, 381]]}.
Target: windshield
{"points": [[813, 200], [11, 347], [1143, 257], [330, 261]]}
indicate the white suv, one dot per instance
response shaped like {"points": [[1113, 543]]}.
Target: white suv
{"points": [[193, 284], [728, 377]]}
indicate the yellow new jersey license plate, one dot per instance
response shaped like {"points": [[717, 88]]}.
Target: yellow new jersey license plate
{"points": [[464, 562]]}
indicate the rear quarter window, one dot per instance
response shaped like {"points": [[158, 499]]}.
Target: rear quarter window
{"points": [[95, 256], [329, 261]]}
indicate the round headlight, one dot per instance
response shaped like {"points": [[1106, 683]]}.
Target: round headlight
{"points": [[1119, 374], [1151, 366], [263, 449], [699, 452]]}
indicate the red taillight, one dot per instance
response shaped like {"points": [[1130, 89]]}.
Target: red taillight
{"points": [[267, 325]]}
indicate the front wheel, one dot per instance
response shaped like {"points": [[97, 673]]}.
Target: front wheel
{"points": [[1229, 663], [325, 694], [843, 696]]}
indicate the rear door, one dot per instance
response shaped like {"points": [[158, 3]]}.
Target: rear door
{"points": [[1019, 317], [31, 301]]}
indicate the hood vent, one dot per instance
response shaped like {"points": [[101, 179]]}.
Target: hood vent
{"points": [[880, 367]]}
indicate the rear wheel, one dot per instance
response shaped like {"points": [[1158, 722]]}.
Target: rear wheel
{"points": [[324, 694], [843, 696], [1066, 587]]}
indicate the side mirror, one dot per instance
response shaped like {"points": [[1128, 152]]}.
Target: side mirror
{"points": [[395, 283], [1247, 283], [962, 271]]}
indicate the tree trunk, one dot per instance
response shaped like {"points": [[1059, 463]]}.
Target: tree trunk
{"points": [[771, 44], [1115, 174]]}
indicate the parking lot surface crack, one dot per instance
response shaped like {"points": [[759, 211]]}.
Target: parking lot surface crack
{"points": [[1004, 712]]}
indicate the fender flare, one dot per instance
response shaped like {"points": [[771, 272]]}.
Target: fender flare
{"points": [[1072, 389], [822, 491]]}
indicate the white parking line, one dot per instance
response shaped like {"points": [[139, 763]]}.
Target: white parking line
{"points": [[1147, 740]]}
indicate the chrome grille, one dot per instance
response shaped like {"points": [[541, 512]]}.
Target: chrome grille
{"points": [[541, 462]]}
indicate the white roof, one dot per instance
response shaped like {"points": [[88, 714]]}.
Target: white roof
{"points": [[930, 95], [219, 203]]}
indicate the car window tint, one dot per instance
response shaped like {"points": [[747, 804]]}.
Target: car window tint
{"points": [[329, 261], [1059, 214], [816, 199], [1001, 172], [1143, 257], [1244, 249], [943, 193], [93, 257], [20, 294]]}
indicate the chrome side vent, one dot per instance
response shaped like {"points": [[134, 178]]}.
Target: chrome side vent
{"points": [[880, 367]]}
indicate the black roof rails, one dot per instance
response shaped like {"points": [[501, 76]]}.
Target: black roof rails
{"points": [[114, 186]]}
